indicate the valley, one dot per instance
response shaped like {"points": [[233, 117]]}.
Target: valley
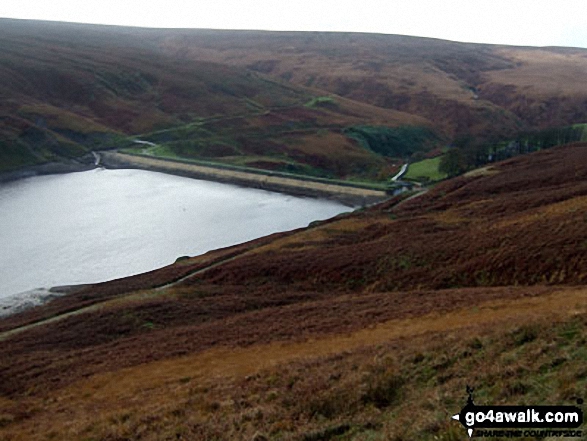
{"points": [[347, 328], [370, 325], [294, 104]]}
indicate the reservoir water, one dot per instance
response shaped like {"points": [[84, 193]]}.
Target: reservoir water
{"points": [[104, 224]]}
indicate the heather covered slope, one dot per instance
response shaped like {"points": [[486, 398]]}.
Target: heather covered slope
{"points": [[520, 222], [483, 90], [350, 328], [67, 89], [281, 101]]}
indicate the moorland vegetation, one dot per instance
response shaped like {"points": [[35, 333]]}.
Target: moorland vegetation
{"points": [[367, 326], [334, 105]]}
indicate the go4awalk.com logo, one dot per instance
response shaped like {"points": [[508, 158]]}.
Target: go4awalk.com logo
{"points": [[520, 421]]}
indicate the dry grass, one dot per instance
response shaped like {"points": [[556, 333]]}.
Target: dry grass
{"points": [[434, 79], [223, 389], [543, 73], [317, 236], [136, 81], [307, 335]]}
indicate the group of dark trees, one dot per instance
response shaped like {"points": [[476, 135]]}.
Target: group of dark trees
{"points": [[395, 142], [467, 152]]}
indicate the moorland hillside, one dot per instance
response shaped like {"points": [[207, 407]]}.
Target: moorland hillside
{"points": [[325, 104], [368, 325], [482, 90], [67, 89]]}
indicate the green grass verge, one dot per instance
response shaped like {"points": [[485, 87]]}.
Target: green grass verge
{"points": [[584, 127], [320, 101], [426, 170]]}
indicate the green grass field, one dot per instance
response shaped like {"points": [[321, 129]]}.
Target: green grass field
{"points": [[426, 169], [584, 127]]}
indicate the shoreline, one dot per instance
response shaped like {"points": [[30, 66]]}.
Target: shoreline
{"points": [[49, 168], [348, 195], [345, 194], [22, 301]]}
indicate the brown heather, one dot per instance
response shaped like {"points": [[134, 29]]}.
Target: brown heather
{"points": [[253, 98], [368, 326]]}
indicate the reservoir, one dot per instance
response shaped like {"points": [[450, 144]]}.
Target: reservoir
{"points": [[102, 224]]}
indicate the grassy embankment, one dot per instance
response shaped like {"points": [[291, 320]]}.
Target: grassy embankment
{"points": [[350, 193], [199, 144], [161, 153]]}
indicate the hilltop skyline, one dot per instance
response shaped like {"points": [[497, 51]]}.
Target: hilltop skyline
{"points": [[521, 23]]}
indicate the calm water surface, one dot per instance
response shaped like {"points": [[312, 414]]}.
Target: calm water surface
{"points": [[104, 224]]}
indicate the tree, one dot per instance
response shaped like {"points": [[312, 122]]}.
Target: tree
{"points": [[452, 163]]}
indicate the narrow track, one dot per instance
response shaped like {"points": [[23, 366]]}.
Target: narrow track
{"points": [[128, 296]]}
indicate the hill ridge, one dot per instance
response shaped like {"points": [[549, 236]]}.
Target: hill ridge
{"points": [[91, 86]]}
